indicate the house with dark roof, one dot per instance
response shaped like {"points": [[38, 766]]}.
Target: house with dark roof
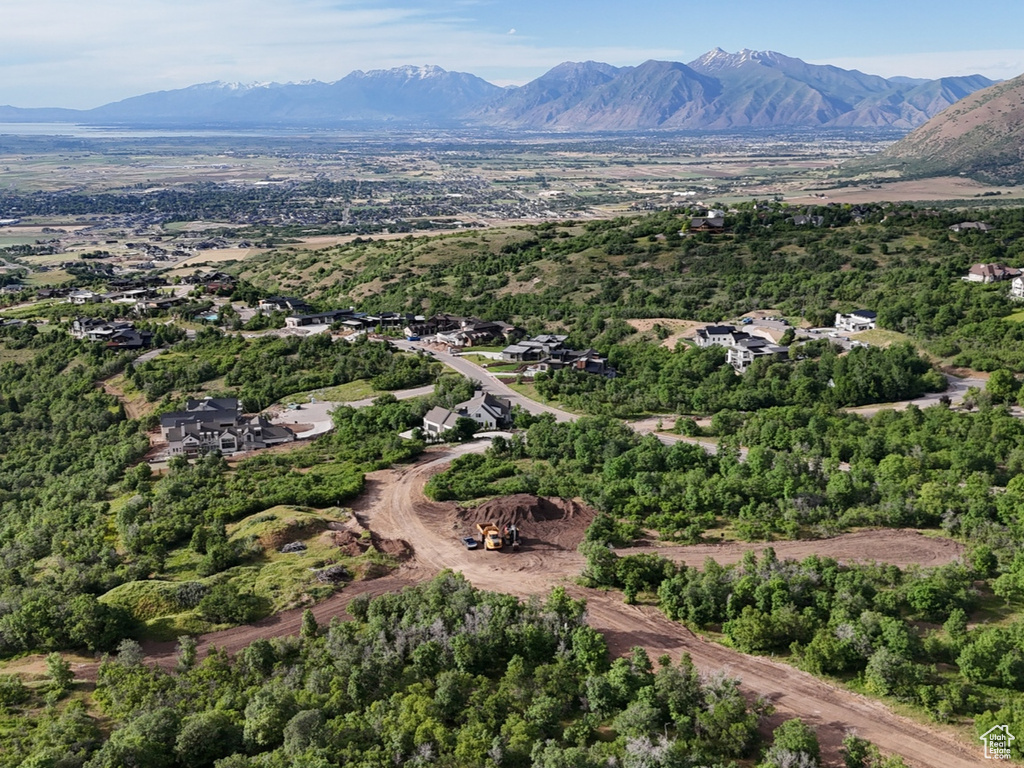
{"points": [[856, 321], [217, 424], [536, 348], [746, 351], [114, 334], [283, 304], [719, 336], [713, 224], [321, 318]]}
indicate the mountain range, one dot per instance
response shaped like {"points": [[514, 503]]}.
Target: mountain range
{"points": [[981, 136], [718, 91]]}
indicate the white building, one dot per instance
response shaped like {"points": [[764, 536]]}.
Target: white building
{"points": [[858, 320], [746, 351]]}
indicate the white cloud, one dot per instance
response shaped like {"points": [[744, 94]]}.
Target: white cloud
{"points": [[512, 31], [73, 54], [997, 65]]}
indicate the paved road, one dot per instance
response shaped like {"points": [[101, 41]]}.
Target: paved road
{"points": [[318, 414], [491, 383], [956, 391]]}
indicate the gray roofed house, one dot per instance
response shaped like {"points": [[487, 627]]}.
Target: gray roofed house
{"points": [[980, 226], [322, 318], [744, 352], [439, 420], [217, 424], [488, 411], [708, 224]]}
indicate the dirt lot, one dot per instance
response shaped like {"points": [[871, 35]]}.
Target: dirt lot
{"points": [[899, 547], [681, 329], [394, 507], [940, 188]]}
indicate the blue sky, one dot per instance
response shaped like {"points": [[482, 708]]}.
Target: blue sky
{"points": [[71, 53]]}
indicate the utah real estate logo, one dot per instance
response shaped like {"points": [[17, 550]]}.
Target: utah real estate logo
{"points": [[997, 742]]}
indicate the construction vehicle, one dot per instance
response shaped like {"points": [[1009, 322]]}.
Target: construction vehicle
{"points": [[512, 536], [489, 535]]}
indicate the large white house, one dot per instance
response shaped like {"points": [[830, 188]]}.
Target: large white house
{"points": [[746, 351], [719, 336], [858, 320]]}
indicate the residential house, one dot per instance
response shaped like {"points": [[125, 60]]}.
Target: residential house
{"points": [[804, 221], [157, 304], [473, 332], [746, 351], [713, 224], [440, 323], [719, 336], [284, 304], [439, 420], [84, 297], [537, 348], [52, 293], [1017, 288], [990, 273], [322, 318], [584, 360], [965, 226], [858, 320], [488, 411], [116, 334], [217, 424]]}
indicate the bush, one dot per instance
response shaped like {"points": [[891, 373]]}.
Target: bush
{"points": [[226, 605]]}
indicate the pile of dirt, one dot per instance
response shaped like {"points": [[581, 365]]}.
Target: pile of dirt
{"points": [[347, 541], [352, 544], [560, 523], [397, 548]]}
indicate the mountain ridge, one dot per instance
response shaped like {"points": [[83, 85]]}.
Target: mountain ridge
{"points": [[717, 91], [981, 136]]}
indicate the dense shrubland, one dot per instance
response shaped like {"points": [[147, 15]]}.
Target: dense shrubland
{"points": [[440, 674]]}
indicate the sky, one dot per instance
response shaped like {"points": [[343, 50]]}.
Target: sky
{"points": [[70, 53]]}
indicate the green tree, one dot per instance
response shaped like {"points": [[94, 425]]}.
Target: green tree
{"points": [[60, 676], [793, 743]]}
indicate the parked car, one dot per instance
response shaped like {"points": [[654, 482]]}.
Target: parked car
{"points": [[470, 542]]}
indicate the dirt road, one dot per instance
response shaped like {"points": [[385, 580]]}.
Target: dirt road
{"points": [[394, 506]]}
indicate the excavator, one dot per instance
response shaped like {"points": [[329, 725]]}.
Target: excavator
{"points": [[512, 536]]}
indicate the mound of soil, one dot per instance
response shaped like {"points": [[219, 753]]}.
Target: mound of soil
{"points": [[397, 548], [560, 523], [347, 541], [353, 545]]}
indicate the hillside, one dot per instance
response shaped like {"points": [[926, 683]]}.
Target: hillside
{"points": [[576, 276], [981, 136]]}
